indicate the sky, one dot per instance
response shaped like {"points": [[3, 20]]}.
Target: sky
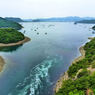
{"points": [[47, 8]]}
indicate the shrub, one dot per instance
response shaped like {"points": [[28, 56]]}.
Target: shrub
{"points": [[93, 64], [84, 72]]}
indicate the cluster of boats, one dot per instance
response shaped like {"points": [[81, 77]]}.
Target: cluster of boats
{"points": [[35, 30]]}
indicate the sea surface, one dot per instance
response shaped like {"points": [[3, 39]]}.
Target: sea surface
{"points": [[34, 67]]}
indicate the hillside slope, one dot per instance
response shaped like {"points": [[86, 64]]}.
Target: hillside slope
{"points": [[14, 19], [9, 24]]}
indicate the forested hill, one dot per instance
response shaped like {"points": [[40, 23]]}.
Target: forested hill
{"points": [[10, 24], [14, 19]]}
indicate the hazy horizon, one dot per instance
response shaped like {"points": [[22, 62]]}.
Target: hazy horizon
{"points": [[49, 17], [46, 8]]}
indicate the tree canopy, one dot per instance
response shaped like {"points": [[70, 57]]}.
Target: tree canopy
{"points": [[10, 35]]}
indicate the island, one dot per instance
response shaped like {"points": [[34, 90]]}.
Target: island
{"points": [[10, 37], [80, 77]]}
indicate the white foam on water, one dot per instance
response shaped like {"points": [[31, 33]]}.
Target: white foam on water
{"points": [[37, 75]]}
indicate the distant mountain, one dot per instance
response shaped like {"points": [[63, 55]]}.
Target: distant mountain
{"points": [[11, 24], [65, 19], [14, 19], [86, 21], [62, 19]]}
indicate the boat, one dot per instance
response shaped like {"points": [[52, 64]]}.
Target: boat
{"points": [[37, 33]]}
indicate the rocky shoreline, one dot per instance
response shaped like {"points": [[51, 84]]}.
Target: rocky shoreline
{"points": [[65, 75]]}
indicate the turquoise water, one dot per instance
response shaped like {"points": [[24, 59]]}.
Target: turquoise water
{"points": [[34, 67]]}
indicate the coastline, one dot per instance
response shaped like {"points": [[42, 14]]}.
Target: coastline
{"points": [[65, 75], [14, 44], [82, 52], [2, 62]]}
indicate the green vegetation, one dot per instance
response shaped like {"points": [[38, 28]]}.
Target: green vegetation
{"points": [[78, 86], [85, 78], [9, 35], [93, 64], [84, 72], [76, 67], [14, 19], [4, 23]]}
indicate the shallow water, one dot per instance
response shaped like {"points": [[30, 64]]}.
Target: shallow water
{"points": [[34, 68]]}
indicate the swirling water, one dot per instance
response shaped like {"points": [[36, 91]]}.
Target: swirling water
{"points": [[34, 68], [38, 79]]}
